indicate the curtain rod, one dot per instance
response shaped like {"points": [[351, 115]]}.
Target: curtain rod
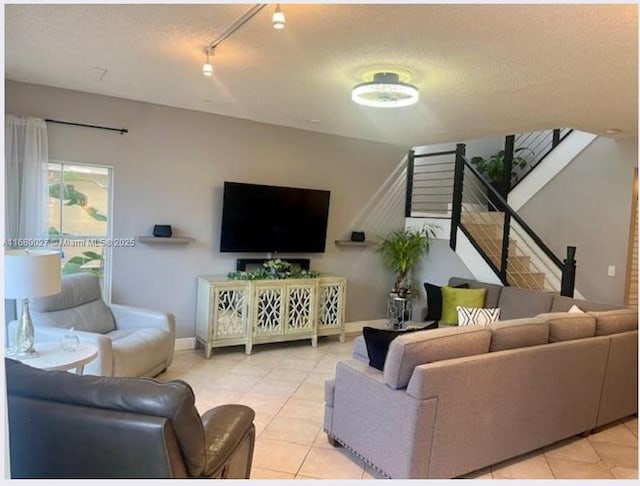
{"points": [[121, 130]]}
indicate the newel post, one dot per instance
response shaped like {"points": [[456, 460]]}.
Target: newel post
{"points": [[456, 206], [409, 196], [569, 273]]}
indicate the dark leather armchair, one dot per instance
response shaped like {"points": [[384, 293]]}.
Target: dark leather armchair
{"points": [[63, 425]]}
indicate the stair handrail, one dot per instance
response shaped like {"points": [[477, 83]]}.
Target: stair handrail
{"points": [[566, 266], [513, 214], [556, 138]]}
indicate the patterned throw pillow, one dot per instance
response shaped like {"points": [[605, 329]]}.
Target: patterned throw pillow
{"points": [[476, 316]]}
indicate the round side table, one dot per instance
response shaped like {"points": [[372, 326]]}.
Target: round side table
{"points": [[50, 356]]}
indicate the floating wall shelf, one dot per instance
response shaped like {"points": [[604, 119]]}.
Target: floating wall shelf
{"points": [[352, 243], [175, 240]]}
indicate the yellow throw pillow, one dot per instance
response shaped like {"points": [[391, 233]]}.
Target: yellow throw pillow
{"points": [[453, 297]]}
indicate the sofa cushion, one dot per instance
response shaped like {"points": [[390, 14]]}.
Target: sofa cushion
{"points": [[516, 303], [78, 305], [477, 316], [453, 297], [434, 300], [518, 333], [493, 290], [77, 289], [410, 350], [564, 326], [615, 321], [93, 316], [136, 352], [377, 342], [563, 304]]}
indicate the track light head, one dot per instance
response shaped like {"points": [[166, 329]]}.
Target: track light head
{"points": [[207, 67], [278, 19]]}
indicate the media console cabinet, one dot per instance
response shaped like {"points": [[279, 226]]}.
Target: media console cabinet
{"points": [[232, 312]]}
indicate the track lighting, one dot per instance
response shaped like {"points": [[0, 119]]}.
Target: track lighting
{"points": [[278, 19], [207, 67]]}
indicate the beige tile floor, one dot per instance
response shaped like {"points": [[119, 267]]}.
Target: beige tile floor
{"points": [[284, 384]]}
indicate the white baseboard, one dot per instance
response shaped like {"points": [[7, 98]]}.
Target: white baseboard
{"points": [[182, 344]]}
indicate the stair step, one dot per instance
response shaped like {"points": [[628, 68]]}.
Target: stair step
{"points": [[534, 281], [493, 246], [484, 230], [515, 264], [492, 217]]}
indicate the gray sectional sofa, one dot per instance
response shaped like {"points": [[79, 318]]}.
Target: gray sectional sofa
{"points": [[454, 400]]}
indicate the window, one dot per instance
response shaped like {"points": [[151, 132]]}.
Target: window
{"points": [[80, 218]]}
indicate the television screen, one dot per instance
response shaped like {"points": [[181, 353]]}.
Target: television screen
{"points": [[259, 218]]}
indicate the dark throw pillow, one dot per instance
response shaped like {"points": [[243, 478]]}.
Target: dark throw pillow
{"points": [[378, 341], [434, 300]]}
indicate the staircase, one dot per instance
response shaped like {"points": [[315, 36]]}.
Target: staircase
{"points": [[486, 229], [445, 185]]}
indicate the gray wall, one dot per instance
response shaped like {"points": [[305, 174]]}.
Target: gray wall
{"points": [[588, 205], [170, 169]]}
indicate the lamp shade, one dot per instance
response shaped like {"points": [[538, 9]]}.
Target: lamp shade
{"points": [[31, 273]]}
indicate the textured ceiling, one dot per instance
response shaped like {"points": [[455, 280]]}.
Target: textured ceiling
{"points": [[482, 70]]}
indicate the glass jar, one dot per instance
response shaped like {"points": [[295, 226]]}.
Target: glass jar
{"points": [[70, 341]]}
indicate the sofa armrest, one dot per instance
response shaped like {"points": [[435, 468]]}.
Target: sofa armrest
{"points": [[102, 365], [128, 317], [225, 427], [367, 413]]}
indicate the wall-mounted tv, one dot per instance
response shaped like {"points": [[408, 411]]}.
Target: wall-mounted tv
{"points": [[260, 218]]}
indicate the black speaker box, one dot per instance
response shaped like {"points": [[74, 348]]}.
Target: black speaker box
{"points": [[162, 230]]}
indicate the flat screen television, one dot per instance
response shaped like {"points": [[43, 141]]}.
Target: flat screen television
{"points": [[260, 218]]}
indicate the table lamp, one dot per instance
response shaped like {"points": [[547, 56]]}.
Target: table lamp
{"points": [[29, 274]]}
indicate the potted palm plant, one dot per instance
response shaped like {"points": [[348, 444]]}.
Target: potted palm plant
{"points": [[402, 250]]}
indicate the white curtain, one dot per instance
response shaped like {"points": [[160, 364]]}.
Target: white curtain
{"points": [[26, 156]]}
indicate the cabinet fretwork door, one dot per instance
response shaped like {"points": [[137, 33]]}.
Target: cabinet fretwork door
{"points": [[330, 305], [230, 315], [269, 310], [300, 309]]}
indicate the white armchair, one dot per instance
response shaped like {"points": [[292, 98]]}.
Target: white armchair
{"points": [[130, 341]]}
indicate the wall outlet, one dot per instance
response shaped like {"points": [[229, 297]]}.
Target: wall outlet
{"points": [[611, 271]]}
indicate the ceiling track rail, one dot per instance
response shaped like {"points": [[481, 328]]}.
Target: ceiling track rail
{"points": [[248, 15]]}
